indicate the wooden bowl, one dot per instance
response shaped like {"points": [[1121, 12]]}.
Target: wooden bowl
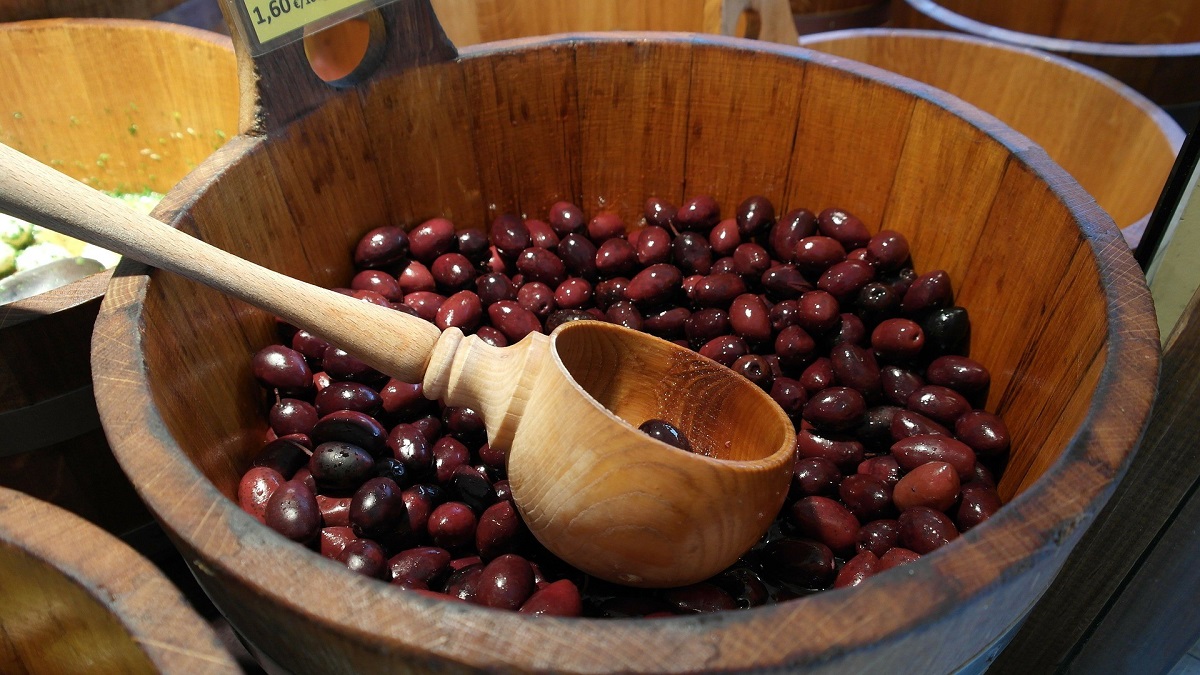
{"points": [[1151, 45], [135, 106], [1060, 313], [1117, 143], [74, 599]]}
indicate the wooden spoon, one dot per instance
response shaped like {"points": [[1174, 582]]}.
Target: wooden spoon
{"points": [[597, 492]]}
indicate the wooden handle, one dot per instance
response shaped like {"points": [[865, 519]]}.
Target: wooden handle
{"points": [[393, 342], [280, 86]]}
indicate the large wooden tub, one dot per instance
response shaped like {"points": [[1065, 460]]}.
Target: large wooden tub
{"points": [[1060, 313]]}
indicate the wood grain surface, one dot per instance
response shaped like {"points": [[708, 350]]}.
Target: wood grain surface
{"points": [[1153, 47], [24, 10], [73, 599], [1060, 313], [1118, 144], [120, 105], [469, 22], [819, 16], [1123, 602]]}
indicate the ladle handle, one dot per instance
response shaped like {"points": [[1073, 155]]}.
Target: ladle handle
{"points": [[390, 341]]}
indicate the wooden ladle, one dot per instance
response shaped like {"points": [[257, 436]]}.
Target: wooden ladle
{"points": [[594, 490]]}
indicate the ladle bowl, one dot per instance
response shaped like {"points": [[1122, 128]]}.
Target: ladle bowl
{"points": [[600, 494]]}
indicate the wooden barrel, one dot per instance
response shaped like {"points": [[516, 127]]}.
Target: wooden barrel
{"points": [[24, 10], [74, 599], [1114, 141], [817, 16], [1060, 313], [1151, 45], [469, 22], [122, 105]]}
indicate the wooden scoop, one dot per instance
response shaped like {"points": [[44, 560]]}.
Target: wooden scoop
{"points": [[597, 492]]}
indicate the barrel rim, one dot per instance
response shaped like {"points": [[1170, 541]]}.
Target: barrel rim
{"points": [[158, 619]]}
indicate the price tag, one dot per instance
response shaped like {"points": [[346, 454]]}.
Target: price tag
{"points": [[273, 19]]}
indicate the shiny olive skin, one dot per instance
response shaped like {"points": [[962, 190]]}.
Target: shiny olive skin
{"points": [[908, 423], [698, 214], [985, 432], [282, 368], [979, 502], [914, 451], [940, 404], [365, 557], [843, 226], [814, 476], [560, 598], [856, 368], [505, 583], [510, 235], [255, 489], [898, 339], [866, 496], [889, 249], [815, 254], [802, 563], [827, 521], [498, 530], [654, 285], [755, 215], [933, 484], [757, 369], [924, 530], [566, 218], [666, 432], [857, 569], [292, 511], [947, 331], [345, 396], [844, 452], [284, 455], [381, 247], [931, 290], [835, 408], [353, 427], [878, 536], [377, 511], [426, 564], [750, 318], [340, 466]]}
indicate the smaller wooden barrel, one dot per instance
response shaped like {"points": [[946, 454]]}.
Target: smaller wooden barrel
{"points": [[469, 22], [135, 106], [1114, 141], [73, 599], [1151, 45], [817, 16], [24, 10]]}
